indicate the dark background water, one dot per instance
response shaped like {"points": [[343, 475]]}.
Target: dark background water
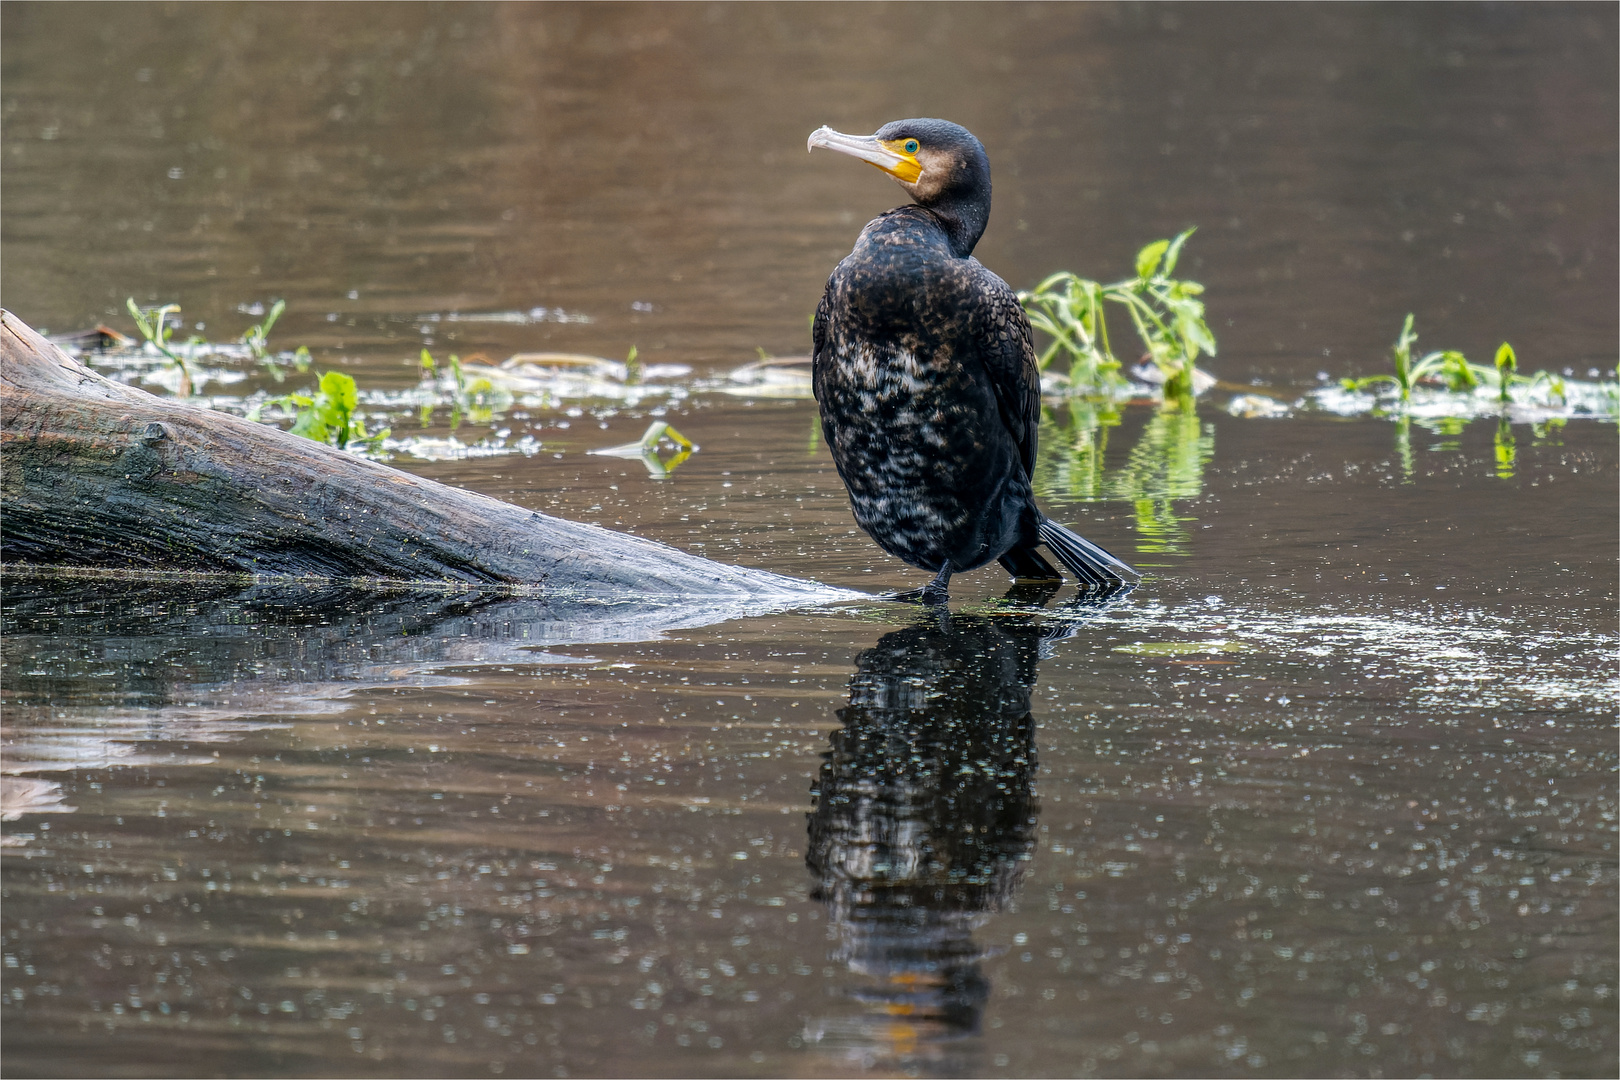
{"points": [[1344, 165], [1334, 793]]}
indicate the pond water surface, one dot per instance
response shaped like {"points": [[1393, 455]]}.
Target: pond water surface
{"points": [[1331, 793]]}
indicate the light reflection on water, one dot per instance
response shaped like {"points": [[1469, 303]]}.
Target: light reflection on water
{"points": [[1196, 835]]}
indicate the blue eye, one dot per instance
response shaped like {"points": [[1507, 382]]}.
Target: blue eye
{"points": [[911, 146]]}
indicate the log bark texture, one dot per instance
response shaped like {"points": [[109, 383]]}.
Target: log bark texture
{"points": [[96, 473]]}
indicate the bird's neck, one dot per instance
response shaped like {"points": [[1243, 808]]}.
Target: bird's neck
{"points": [[963, 219]]}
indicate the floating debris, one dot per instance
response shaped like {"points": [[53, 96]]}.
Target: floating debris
{"points": [[574, 376], [1150, 373], [172, 379], [1250, 406], [516, 318], [646, 450], [99, 339], [21, 795], [771, 377], [553, 364], [450, 448], [1182, 648], [1560, 399]]}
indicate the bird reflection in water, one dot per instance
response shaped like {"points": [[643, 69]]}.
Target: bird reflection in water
{"points": [[922, 825]]}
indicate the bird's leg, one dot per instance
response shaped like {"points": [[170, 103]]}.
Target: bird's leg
{"points": [[932, 593]]}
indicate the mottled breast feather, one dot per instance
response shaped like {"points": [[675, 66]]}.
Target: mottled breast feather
{"points": [[925, 372]]}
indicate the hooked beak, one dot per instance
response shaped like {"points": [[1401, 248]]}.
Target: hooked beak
{"points": [[870, 149]]}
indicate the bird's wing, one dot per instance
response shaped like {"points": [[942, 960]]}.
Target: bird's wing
{"points": [[1007, 348], [818, 341]]}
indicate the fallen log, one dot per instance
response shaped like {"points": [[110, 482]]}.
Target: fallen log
{"points": [[95, 473]]}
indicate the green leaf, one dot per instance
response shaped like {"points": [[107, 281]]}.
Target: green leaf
{"points": [[1198, 330], [341, 390], [311, 425], [1165, 313], [1147, 260], [140, 319], [1506, 449], [1404, 343], [1174, 253], [1506, 361], [1457, 372]]}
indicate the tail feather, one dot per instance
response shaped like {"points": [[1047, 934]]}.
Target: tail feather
{"points": [[1085, 560]]}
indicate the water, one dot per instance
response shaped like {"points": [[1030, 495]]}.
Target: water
{"points": [[1332, 793]]}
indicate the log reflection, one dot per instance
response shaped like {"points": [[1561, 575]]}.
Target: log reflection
{"points": [[922, 824]]}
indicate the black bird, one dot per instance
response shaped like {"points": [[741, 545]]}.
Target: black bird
{"points": [[925, 371]]}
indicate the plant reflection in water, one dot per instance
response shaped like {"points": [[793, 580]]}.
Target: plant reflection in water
{"points": [[923, 823], [1165, 466]]}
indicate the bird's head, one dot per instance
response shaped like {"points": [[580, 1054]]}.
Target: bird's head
{"points": [[940, 164], [931, 159]]}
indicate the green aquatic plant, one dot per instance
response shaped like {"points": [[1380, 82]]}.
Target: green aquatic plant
{"points": [[474, 395], [257, 337], [1450, 430], [430, 382], [1453, 371], [1166, 466], [257, 340], [1163, 470], [328, 416], [1165, 311], [153, 323], [156, 327], [1448, 365], [1506, 366], [1548, 432], [1506, 448], [647, 449], [1458, 390], [1403, 447], [1074, 446]]}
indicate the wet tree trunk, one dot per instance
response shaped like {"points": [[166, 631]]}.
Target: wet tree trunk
{"points": [[95, 473]]}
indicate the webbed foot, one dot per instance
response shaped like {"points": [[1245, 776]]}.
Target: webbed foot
{"points": [[933, 594]]}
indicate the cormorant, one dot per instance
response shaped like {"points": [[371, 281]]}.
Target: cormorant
{"points": [[924, 368]]}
